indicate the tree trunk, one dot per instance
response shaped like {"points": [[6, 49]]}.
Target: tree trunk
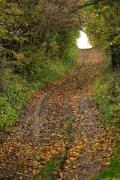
{"points": [[115, 56]]}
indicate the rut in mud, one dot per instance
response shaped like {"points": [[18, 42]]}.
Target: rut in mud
{"points": [[60, 136]]}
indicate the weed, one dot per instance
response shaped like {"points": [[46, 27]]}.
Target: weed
{"points": [[111, 172], [17, 89], [68, 124], [107, 97], [24, 77], [49, 168]]}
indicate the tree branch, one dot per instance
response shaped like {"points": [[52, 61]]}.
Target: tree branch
{"points": [[81, 6]]}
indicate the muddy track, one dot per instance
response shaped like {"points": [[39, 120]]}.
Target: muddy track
{"points": [[61, 120]]}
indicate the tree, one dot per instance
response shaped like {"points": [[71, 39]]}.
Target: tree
{"points": [[102, 22], [36, 23]]}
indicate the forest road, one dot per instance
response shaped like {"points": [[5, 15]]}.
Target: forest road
{"points": [[60, 135]]}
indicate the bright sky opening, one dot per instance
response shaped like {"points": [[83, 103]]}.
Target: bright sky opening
{"points": [[83, 41]]}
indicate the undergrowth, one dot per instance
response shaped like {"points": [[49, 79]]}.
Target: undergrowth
{"points": [[107, 97], [26, 78], [68, 125], [48, 169]]}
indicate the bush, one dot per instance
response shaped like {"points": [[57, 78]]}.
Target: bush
{"points": [[26, 76], [12, 98], [107, 96]]}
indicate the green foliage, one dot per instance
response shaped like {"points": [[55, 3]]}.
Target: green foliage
{"points": [[49, 167], [35, 49], [68, 125], [31, 52], [8, 113], [107, 95], [12, 98], [111, 172], [26, 76], [103, 23]]}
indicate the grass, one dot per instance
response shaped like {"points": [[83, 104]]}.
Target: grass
{"points": [[112, 172], [68, 123], [12, 98], [31, 74], [49, 168], [107, 97]]}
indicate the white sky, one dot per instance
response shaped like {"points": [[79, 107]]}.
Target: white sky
{"points": [[83, 41]]}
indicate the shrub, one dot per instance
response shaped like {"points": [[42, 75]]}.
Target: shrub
{"points": [[26, 76], [107, 96]]}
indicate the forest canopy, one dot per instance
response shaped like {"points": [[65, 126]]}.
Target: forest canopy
{"points": [[38, 23]]}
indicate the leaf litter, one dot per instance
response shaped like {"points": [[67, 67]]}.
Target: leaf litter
{"points": [[61, 120]]}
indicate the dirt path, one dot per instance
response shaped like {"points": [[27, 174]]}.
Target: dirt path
{"points": [[60, 136]]}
